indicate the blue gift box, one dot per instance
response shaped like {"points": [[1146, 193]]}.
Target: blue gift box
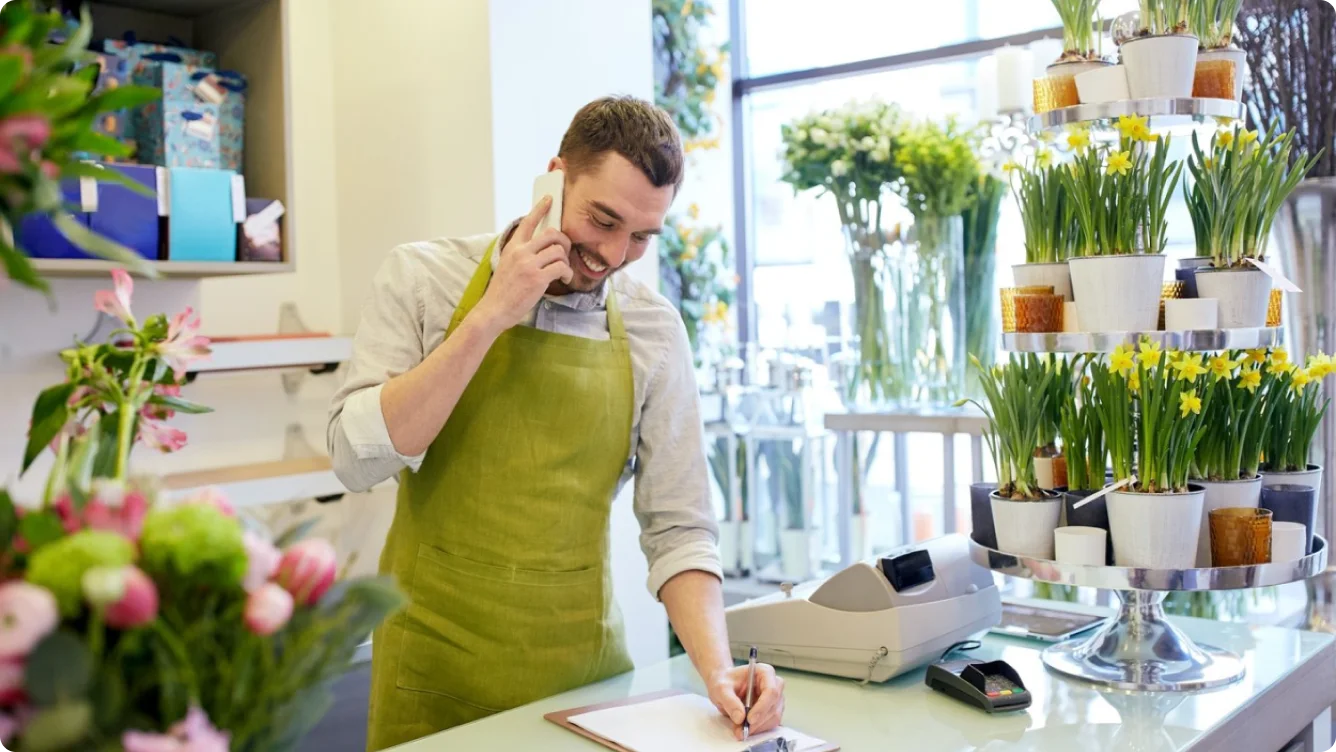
{"points": [[194, 88], [38, 236], [201, 220], [173, 134], [135, 52], [113, 72], [131, 219]]}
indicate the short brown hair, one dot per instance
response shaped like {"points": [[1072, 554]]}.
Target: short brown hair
{"points": [[639, 131]]}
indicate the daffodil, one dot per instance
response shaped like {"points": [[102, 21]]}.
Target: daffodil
{"points": [[1120, 163], [1044, 159], [693, 211], [1250, 379], [1224, 139], [1130, 125], [1134, 381], [1121, 361], [1189, 402], [1257, 356], [1078, 139], [1279, 368], [1150, 354], [1010, 166], [690, 252], [1222, 366], [1189, 368], [1321, 365], [1300, 378], [1248, 137], [1141, 132], [1279, 355]]}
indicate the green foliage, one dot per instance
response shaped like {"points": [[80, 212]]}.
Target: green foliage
{"points": [[1242, 402], [1081, 38], [1120, 194], [1047, 213], [687, 72], [194, 544], [939, 166], [1160, 17], [696, 272], [1299, 409], [1212, 22], [1016, 411], [980, 218], [60, 565], [1083, 439]]}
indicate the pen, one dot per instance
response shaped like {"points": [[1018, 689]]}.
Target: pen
{"points": [[751, 680]]}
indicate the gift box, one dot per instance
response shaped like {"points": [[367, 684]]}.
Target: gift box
{"points": [[135, 52], [38, 236], [261, 237], [186, 84], [113, 72], [201, 216], [129, 218], [172, 134]]}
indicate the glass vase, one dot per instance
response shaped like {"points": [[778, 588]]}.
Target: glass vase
{"points": [[931, 338], [875, 377]]}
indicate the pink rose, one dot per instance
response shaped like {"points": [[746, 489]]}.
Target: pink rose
{"points": [[117, 510], [213, 497], [139, 603], [11, 684], [27, 614], [307, 570], [261, 561], [193, 733], [267, 609]]}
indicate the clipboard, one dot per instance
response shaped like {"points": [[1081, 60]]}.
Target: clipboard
{"points": [[562, 718]]}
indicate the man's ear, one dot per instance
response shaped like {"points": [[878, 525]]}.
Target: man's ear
{"points": [[556, 163]]}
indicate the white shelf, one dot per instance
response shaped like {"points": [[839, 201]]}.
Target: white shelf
{"points": [[950, 420], [1161, 113], [294, 352], [169, 269], [262, 484]]}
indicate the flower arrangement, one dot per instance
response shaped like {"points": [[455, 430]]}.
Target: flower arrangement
{"points": [[1241, 404], [939, 164], [46, 127], [1047, 212], [1083, 439], [688, 72], [1120, 194], [1300, 406], [137, 625], [1081, 38], [1238, 189], [1212, 22], [1159, 17], [696, 274], [1016, 409]]}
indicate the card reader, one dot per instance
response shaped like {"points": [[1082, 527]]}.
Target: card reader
{"points": [[992, 686]]}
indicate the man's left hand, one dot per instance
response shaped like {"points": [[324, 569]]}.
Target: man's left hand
{"points": [[728, 692]]}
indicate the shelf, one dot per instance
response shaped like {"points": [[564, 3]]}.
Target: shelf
{"points": [[1163, 113], [1102, 342], [282, 352], [168, 269], [182, 8], [262, 483], [968, 420]]}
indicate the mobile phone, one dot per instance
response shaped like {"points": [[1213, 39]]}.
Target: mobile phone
{"points": [[549, 184]]}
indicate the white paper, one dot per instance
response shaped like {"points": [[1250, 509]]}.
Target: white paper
{"points": [[675, 723], [1276, 276], [164, 192], [238, 198], [87, 193]]}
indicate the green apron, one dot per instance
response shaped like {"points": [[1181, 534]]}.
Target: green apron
{"points": [[501, 537]]}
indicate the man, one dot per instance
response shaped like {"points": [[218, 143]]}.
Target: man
{"points": [[517, 382]]}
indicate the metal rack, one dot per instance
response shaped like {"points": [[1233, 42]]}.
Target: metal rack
{"points": [[1162, 114], [1102, 342]]}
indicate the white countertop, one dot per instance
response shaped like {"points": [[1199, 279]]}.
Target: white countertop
{"points": [[1291, 680]]}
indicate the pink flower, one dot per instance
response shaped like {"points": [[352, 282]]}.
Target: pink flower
{"points": [[161, 412], [184, 345], [27, 614], [161, 436], [50, 169], [116, 302], [11, 685], [138, 605], [117, 510], [261, 561], [267, 609], [21, 135], [193, 733], [69, 518], [307, 570], [213, 497]]}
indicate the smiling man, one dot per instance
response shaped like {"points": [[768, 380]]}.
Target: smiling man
{"points": [[516, 382]]}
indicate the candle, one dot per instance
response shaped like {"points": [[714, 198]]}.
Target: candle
{"points": [[985, 88], [1045, 53], [1015, 69]]}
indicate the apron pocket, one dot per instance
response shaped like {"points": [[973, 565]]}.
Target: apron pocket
{"points": [[496, 637]]}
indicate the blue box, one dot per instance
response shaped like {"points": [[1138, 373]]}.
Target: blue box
{"points": [[135, 53], [201, 221], [113, 73], [38, 236], [172, 134], [194, 88], [127, 217]]}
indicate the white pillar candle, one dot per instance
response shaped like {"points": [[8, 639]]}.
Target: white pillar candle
{"points": [[1015, 68], [985, 88]]}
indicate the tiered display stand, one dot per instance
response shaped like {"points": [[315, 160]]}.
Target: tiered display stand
{"points": [[1139, 649]]}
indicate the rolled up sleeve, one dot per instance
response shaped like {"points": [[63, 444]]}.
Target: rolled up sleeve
{"points": [[389, 341], [672, 492]]}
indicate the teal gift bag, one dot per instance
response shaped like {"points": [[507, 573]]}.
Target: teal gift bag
{"points": [[201, 221]]}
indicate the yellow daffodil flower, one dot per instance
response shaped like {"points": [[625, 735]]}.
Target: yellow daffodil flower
{"points": [[1010, 166], [1189, 368], [1279, 369], [1280, 355], [1222, 366], [1247, 137], [1189, 402], [1120, 163], [717, 313], [1257, 356], [1321, 366], [690, 252], [1134, 381], [693, 211], [1209, 163], [1300, 378], [1141, 132], [1044, 159], [1150, 354], [1250, 379], [1078, 139], [1130, 125], [1224, 139], [1121, 361]]}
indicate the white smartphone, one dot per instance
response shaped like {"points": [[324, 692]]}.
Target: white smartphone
{"points": [[549, 184]]}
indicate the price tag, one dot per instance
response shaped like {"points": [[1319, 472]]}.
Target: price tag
{"points": [[204, 126], [1107, 489], [87, 193], [1276, 276]]}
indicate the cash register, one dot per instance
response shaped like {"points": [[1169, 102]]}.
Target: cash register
{"points": [[876, 619]]}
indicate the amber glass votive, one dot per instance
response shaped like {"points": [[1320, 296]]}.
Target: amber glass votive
{"points": [[1214, 79], [1273, 307], [1240, 536], [1009, 303], [1038, 313], [1052, 92]]}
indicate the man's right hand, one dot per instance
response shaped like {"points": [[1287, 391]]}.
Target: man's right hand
{"points": [[529, 264]]}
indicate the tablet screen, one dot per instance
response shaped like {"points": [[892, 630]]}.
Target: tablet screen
{"points": [[1029, 621]]}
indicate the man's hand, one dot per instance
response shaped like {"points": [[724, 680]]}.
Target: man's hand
{"points": [[528, 265], [728, 691]]}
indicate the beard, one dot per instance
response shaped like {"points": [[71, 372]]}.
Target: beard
{"points": [[579, 282]]}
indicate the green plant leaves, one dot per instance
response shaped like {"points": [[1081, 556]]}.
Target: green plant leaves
{"points": [[9, 520], [104, 175], [59, 670], [40, 529], [180, 405], [20, 269], [58, 728], [295, 533], [50, 413], [122, 98]]}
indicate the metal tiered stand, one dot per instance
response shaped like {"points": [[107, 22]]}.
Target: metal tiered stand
{"points": [[1139, 649]]}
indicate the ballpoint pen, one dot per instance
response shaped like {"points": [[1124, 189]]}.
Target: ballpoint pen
{"points": [[751, 681]]}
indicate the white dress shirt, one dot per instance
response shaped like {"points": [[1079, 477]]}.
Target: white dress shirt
{"points": [[414, 295]]}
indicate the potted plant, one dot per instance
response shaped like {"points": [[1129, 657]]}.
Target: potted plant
{"points": [[1024, 515], [1050, 464], [1047, 215], [1082, 42], [1227, 459], [1161, 57], [1120, 196], [1233, 200], [1087, 459], [1221, 66], [1300, 406], [850, 153], [1149, 400]]}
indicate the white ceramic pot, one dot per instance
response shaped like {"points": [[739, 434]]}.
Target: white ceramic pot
{"points": [[1081, 546], [1243, 295], [1107, 84], [1044, 275], [1076, 67], [1234, 55], [1118, 293], [1155, 531], [1160, 67], [1025, 528], [1187, 314], [795, 553], [1223, 494], [1071, 320], [1310, 477]]}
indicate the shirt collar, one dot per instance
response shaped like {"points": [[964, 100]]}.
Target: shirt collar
{"points": [[576, 301]]}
